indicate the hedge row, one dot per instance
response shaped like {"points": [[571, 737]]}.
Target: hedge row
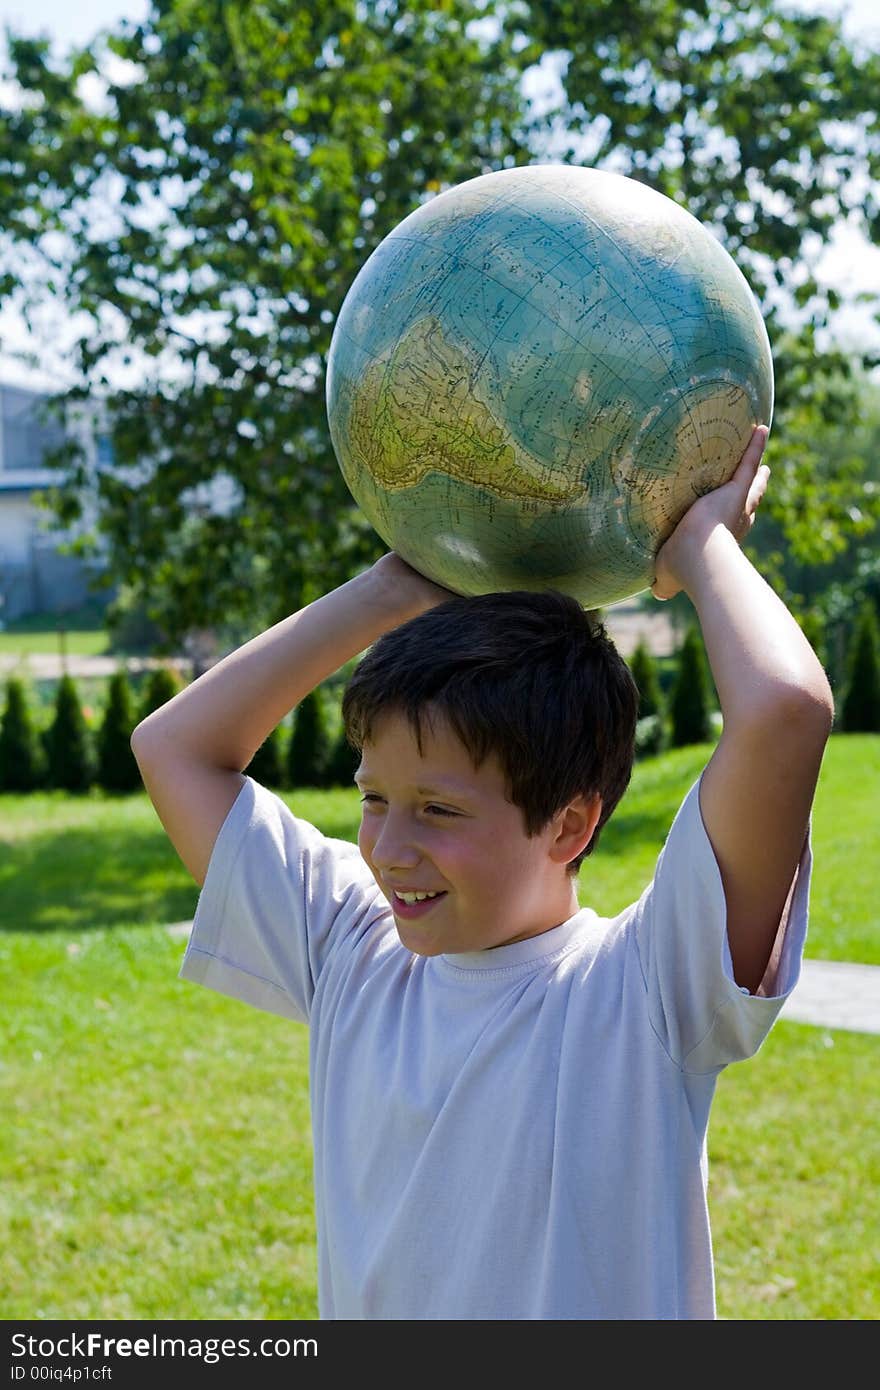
{"points": [[69, 756], [685, 716]]}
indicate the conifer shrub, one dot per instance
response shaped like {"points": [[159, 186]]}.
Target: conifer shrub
{"points": [[68, 743], [308, 752], [651, 728], [690, 701], [651, 736], [643, 667], [161, 685], [22, 764], [267, 764], [117, 770], [813, 628], [344, 762], [860, 705]]}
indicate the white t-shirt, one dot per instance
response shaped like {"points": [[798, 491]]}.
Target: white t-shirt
{"points": [[517, 1133]]}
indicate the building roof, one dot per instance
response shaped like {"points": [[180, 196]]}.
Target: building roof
{"points": [[27, 479]]}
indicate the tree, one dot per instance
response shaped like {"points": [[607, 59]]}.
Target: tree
{"points": [[815, 559], [644, 672], [267, 764], [21, 757], [690, 701], [651, 733], [162, 684], [860, 707], [248, 158], [812, 627], [254, 161], [733, 111], [344, 762], [69, 750], [117, 769], [308, 753]]}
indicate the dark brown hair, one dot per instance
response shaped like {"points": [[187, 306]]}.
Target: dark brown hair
{"points": [[529, 676]]}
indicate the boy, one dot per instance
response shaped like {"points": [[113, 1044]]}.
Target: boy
{"points": [[510, 1095]]}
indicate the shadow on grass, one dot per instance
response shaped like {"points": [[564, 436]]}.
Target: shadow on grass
{"points": [[75, 880], [627, 830]]}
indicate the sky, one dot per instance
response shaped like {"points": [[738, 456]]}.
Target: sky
{"points": [[850, 263], [68, 23], [71, 23]]}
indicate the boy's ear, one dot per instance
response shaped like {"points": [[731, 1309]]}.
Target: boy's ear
{"points": [[574, 827]]}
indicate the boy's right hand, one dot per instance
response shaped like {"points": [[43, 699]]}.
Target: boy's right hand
{"points": [[409, 583]]}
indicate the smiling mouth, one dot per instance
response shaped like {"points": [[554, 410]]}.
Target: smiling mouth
{"points": [[417, 907]]}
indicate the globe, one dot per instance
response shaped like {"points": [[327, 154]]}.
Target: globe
{"points": [[536, 373]]}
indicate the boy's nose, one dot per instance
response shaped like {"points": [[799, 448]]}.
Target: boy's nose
{"points": [[394, 847]]}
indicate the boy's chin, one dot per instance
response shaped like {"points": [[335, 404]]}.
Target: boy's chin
{"points": [[419, 946]]}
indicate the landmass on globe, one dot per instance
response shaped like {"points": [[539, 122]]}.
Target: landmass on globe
{"points": [[419, 409]]}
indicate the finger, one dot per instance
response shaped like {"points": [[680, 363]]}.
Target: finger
{"points": [[757, 489], [748, 464], [758, 442], [750, 478]]}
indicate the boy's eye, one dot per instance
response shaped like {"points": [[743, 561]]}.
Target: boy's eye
{"points": [[371, 798]]}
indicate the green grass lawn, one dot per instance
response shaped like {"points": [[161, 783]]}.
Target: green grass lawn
{"points": [[84, 633], [156, 1152], [844, 913], [20, 644], [81, 863]]}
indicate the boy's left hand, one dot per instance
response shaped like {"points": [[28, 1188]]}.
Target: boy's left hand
{"points": [[733, 505]]}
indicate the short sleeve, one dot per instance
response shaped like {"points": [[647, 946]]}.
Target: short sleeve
{"points": [[278, 899], [701, 1016]]}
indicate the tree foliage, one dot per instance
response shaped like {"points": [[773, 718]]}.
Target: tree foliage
{"points": [[643, 667], [344, 762], [651, 731], [267, 766], [210, 209], [162, 684], [21, 756], [309, 749], [689, 704], [117, 770], [821, 560], [253, 155], [69, 752], [860, 706]]}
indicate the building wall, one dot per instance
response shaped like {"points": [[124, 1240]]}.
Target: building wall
{"points": [[35, 577], [17, 524]]}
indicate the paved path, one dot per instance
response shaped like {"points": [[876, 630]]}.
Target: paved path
{"points": [[627, 623], [834, 994], [49, 665]]}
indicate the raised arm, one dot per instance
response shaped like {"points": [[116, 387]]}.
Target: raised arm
{"points": [[757, 790], [192, 751]]}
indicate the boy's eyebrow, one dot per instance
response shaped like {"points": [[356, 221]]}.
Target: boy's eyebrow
{"points": [[439, 789]]}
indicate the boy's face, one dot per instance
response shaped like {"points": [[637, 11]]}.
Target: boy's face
{"points": [[433, 823]]}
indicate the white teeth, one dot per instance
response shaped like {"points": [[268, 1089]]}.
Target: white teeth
{"points": [[411, 898]]}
